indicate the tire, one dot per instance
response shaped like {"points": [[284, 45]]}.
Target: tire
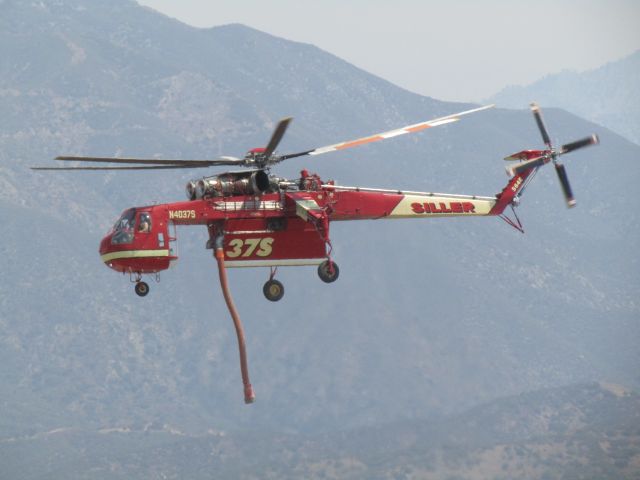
{"points": [[325, 273], [273, 290], [142, 289]]}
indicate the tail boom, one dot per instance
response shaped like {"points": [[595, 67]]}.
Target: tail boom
{"points": [[355, 203]]}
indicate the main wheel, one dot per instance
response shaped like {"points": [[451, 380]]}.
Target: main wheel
{"points": [[326, 273], [273, 290], [142, 289]]}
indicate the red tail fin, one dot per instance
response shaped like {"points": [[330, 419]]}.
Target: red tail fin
{"points": [[515, 185]]}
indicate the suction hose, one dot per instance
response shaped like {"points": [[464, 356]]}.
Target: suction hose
{"points": [[249, 395]]}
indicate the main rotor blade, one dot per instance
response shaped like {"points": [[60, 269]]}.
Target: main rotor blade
{"points": [[585, 142], [416, 127], [566, 188], [277, 135], [156, 161], [151, 167]]}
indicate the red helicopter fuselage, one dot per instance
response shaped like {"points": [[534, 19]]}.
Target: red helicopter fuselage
{"points": [[288, 227]]}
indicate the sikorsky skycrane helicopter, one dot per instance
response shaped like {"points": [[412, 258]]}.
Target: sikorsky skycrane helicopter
{"points": [[256, 219]]}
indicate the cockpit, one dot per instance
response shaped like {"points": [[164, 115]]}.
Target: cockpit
{"points": [[139, 242], [122, 231], [128, 224]]}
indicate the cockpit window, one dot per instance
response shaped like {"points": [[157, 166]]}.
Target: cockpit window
{"points": [[123, 229], [144, 223]]}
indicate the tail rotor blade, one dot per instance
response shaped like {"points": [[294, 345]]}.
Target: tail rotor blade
{"points": [[543, 130], [585, 142], [566, 188], [277, 135]]}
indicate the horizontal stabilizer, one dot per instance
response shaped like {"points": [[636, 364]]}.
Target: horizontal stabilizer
{"points": [[525, 155]]}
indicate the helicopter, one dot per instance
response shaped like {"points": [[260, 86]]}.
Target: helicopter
{"points": [[257, 219]]}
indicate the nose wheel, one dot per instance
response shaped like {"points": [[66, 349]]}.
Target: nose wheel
{"points": [[142, 288]]}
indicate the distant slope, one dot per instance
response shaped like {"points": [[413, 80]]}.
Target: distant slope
{"points": [[427, 318], [608, 95], [581, 431]]}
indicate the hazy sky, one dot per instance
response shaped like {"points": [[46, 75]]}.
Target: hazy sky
{"points": [[461, 50]]}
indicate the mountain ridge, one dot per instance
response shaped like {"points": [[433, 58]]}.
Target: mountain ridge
{"points": [[605, 95], [551, 432], [452, 314]]}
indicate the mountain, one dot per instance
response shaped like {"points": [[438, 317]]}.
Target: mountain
{"points": [[427, 319], [606, 95], [580, 431]]}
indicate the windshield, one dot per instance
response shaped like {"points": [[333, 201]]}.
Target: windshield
{"points": [[123, 229]]}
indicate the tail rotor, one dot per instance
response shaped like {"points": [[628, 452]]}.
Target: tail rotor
{"points": [[537, 158]]}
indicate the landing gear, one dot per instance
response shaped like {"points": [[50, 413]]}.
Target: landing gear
{"points": [[273, 290], [328, 271], [142, 288]]}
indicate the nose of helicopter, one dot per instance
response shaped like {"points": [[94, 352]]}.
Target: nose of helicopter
{"points": [[107, 252], [139, 242]]}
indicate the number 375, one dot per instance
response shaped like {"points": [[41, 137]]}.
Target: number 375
{"points": [[239, 247]]}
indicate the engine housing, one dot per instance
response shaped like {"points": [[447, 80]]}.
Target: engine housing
{"points": [[230, 184]]}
